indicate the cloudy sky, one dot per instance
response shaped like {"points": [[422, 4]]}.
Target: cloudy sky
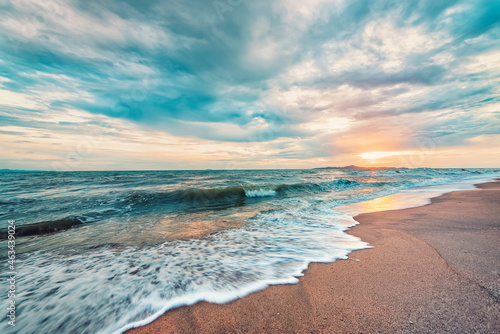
{"points": [[195, 84]]}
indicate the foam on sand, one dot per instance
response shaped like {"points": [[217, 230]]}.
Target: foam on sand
{"points": [[119, 288]]}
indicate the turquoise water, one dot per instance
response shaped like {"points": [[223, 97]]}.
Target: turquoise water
{"points": [[145, 242]]}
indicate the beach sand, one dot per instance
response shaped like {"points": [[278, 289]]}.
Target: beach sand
{"points": [[433, 269]]}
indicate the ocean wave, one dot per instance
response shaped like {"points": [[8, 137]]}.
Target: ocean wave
{"points": [[70, 287], [122, 287], [207, 196], [303, 188], [195, 194], [43, 227]]}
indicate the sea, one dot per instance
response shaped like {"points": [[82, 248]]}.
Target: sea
{"points": [[102, 252]]}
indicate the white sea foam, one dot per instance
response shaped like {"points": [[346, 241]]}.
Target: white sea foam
{"points": [[110, 290], [260, 192]]}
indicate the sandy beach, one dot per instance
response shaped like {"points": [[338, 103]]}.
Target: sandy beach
{"points": [[433, 269]]}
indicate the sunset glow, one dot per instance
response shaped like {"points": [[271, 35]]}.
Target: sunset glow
{"points": [[379, 155]]}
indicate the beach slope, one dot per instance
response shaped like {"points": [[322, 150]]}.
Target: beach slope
{"points": [[434, 268]]}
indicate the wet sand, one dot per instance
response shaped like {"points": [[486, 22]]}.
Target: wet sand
{"points": [[433, 269]]}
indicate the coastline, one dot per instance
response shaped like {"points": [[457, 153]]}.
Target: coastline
{"points": [[433, 268]]}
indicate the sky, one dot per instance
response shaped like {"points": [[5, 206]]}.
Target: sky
{"points": [[243, 84]]}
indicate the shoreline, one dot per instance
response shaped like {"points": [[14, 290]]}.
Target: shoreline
{"points": [[432, 268]]}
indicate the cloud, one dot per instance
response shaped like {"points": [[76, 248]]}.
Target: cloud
{"points": [[266, 74]]}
